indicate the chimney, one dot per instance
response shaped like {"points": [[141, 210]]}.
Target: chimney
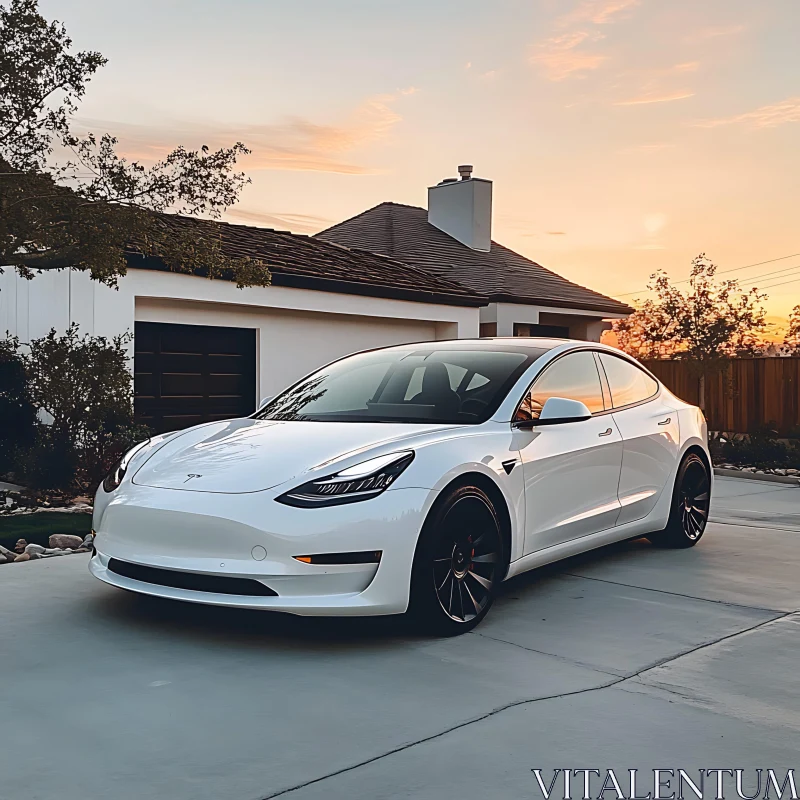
{"points": [[463, 209]]}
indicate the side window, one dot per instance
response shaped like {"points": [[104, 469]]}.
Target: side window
{"points": [[415, 384], [628, 383], [456, 374], [476, 381], [573, 377]]}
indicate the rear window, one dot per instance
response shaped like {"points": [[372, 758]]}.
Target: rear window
{"points": [[416, 385], [628, 383]]}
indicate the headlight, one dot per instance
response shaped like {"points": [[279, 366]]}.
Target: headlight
{"points": [[117, 473], [360, 482]]}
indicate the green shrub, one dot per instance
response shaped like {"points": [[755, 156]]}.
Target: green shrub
{"points": [[17, 412], [83, 390], [762, 449]]}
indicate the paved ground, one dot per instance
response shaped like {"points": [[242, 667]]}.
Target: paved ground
{"points": [[629, 657]]}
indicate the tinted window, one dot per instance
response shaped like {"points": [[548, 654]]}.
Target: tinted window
{"points": [[415, 384], [573, 377], [628, 383]]}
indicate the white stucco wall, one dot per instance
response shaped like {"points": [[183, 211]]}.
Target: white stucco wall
{"points": [[297, 329], [583, 324]]}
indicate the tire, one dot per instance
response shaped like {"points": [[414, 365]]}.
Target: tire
{"points": [[459, 562], [691, 499]]}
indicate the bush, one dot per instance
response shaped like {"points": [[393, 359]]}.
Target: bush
{"points": [[762, 449], [52, 463], [17, 412], [84, 387]]}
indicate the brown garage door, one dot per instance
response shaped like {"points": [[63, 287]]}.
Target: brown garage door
{"points": [[186, 374]]}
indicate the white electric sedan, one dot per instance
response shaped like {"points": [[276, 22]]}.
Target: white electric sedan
{"points": [[412, 478]]}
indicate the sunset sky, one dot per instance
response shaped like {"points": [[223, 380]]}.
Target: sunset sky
{"points": [[622, 136]]}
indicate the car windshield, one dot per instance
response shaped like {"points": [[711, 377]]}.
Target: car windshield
{"points": [[415, 385]]}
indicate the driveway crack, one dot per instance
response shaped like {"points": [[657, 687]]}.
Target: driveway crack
{"points": [[530, 701], [564, 659], [675, 594]]}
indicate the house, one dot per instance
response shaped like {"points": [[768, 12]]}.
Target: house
{"points": [[452, 240], [204, 349]]}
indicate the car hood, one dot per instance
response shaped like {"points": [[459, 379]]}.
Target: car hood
{"points": [[250, 455]]}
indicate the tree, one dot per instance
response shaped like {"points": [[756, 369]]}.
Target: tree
{"points": [[72, 201], [791, 340], [706, 325]]}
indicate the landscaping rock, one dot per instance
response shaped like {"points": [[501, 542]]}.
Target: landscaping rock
{"points": [[4, 551], [65, 541], [23, 557], [20, 545], [34, 549]]}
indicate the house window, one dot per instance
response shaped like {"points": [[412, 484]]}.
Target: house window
{"points": [[554, 331]]}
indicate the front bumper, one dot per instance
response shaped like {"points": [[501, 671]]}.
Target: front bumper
{"points": [[226, 535]]}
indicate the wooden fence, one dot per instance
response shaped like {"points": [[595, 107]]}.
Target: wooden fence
{"points": [[752, 394]]}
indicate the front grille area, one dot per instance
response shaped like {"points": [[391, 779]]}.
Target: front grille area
{"points": [[190, 580]]}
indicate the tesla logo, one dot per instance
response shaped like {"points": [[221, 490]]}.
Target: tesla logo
{"points": [[192, 475]]}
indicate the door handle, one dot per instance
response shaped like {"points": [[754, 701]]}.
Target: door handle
{"points": [[606, 432], [665, 421]]}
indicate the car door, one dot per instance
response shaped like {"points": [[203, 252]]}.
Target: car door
{"points": [[571, 469], [650, 435]]}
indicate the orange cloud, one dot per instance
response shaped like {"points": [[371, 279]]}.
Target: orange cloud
{"points": [[713, 33], [297, 223], [561, 59], [646, 99], [687, 66], [599, 12], [490, 75], [295, 144], [770, 116], [654, 85], [561, 56], [649, 147]]}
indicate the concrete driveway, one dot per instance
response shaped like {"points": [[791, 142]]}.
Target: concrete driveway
{"points": [[631, 656]]}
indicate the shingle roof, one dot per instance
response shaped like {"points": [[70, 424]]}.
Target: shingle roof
{"points": [[404, 233], [304, 262]]}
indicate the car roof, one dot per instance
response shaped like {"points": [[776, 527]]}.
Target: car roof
{"points": [[530, 343]]}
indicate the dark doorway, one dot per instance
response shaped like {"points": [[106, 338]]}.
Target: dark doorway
{"points": [[186, 374], [554, 331]]}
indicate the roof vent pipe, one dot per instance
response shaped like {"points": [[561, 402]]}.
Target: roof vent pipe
{"points": [[465, 171]]}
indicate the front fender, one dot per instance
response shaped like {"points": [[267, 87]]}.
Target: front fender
{"points": [[444, 463]]}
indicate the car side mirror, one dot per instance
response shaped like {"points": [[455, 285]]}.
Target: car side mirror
{"points": [[265, 400], [555, 411], [558, 409]]}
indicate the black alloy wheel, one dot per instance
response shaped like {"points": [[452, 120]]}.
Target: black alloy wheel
{"points": [[458, 563], [691, 502]]}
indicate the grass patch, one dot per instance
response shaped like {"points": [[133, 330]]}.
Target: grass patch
{"points": [[37, 528]]}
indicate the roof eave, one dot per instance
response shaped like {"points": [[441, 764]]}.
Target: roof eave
{"points": [[296, 281], [602, 310]]}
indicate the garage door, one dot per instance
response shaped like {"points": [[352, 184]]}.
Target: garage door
{"points": [[186, 374]]}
